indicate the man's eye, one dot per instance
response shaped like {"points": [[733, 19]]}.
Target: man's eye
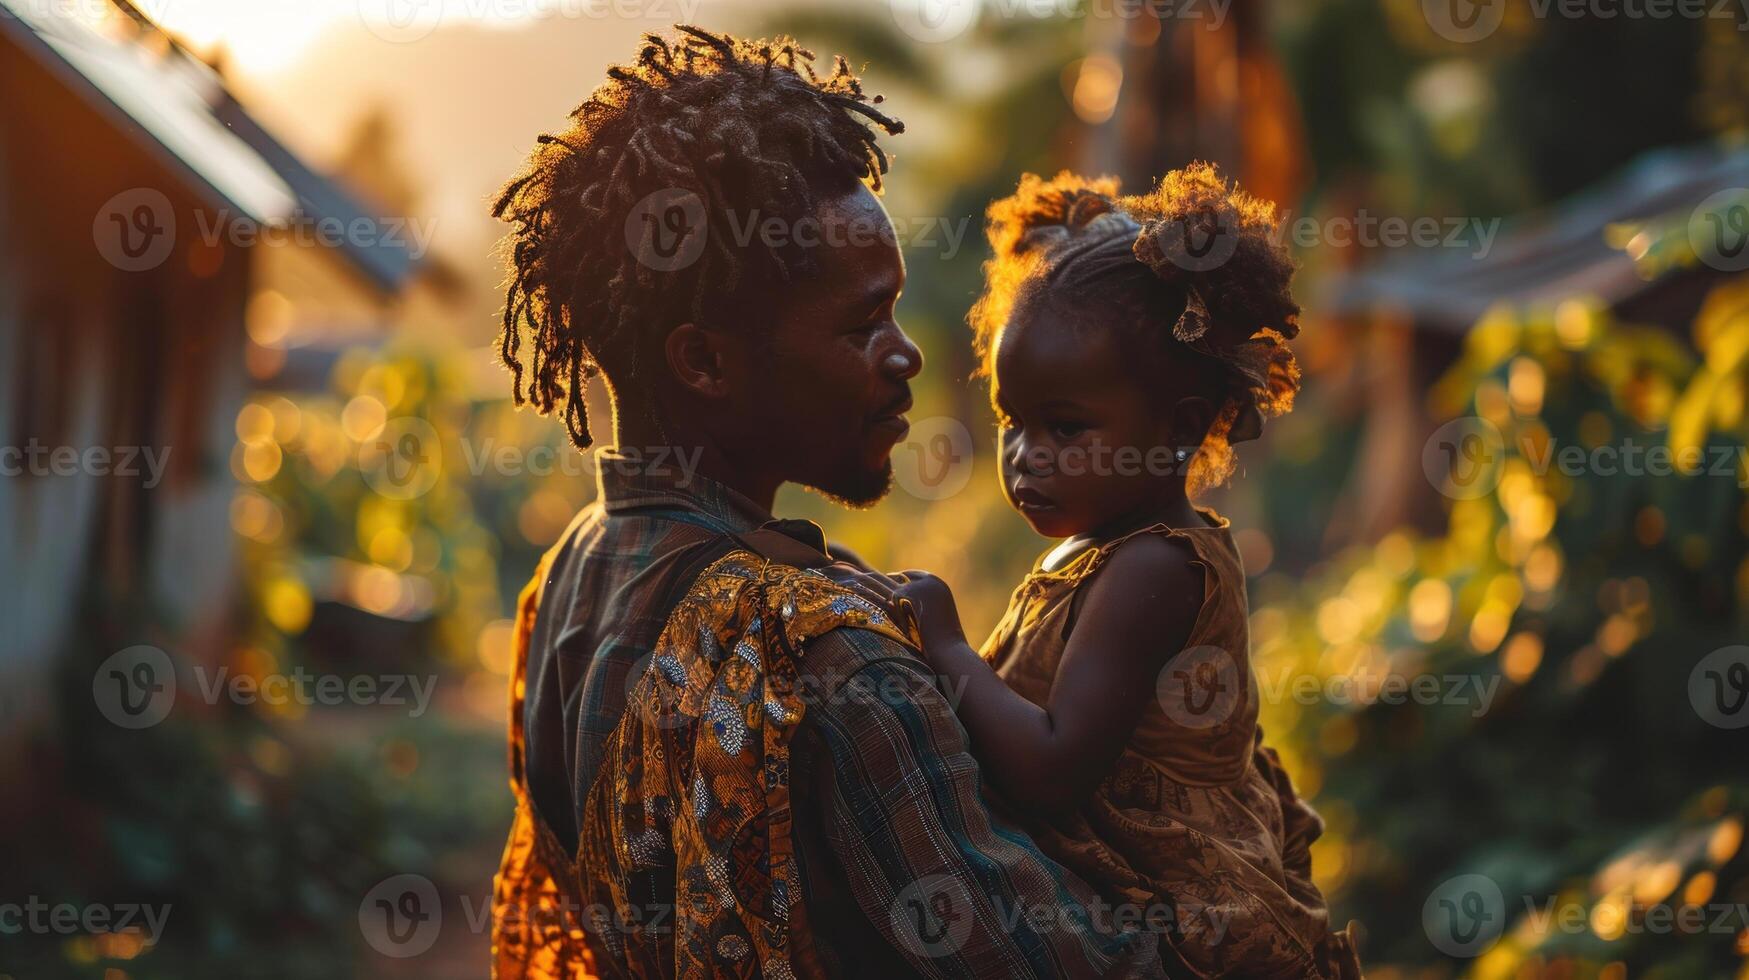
{"points": [[1067, 430]]}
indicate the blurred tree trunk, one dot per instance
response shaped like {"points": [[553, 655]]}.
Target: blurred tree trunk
{"points": [[1197, 85]]}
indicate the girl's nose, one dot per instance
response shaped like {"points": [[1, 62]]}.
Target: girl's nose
{"points": [[1014, 455]]}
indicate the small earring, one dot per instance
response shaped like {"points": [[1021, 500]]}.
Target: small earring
{"points": [[1181, 455]]}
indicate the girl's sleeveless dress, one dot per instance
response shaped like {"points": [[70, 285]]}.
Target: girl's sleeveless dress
{"points": [[1196, 812]]}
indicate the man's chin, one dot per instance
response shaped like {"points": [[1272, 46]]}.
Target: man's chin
{"points": [[855, 490]]}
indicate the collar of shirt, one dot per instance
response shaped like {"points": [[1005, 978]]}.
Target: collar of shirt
{"points": [[633, 480]]}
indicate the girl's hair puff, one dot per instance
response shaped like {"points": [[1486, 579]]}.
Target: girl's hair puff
{"points": [[1195, 265]]}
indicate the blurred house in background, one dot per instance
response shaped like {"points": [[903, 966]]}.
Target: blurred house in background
{"points": [[141, 213], [1410, 315]]}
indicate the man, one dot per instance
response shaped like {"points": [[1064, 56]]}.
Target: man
{"points": [[705, 236]]}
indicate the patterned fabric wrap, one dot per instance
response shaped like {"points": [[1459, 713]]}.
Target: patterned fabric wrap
{"points": [[695, 789], [537, 928]]}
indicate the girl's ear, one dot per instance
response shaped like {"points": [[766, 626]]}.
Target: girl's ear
{"points": [[1190, 420]]}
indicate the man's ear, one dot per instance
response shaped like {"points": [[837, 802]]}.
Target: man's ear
{"points": [[697, 359]]}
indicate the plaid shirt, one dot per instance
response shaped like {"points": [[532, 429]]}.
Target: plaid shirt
{"points": [[905, 870]]}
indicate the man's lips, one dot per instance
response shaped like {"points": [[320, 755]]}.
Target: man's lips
{"points": [[893, 418]]}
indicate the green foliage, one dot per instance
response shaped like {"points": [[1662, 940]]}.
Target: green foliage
{"points": [[1589, 592]]}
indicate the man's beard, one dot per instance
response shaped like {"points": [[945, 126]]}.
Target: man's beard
{"points": [[857, 490]]}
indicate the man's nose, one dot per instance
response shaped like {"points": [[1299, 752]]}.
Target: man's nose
{"points": [[903, 362]]}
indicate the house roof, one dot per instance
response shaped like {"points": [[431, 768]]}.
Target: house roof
{"points": [[1549, 256], [179, 108]]}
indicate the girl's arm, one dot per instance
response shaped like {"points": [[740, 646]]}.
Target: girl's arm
{"points": [[1138, 612]]}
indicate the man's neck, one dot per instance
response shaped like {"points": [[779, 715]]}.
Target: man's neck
{"points": [[712, 462]]}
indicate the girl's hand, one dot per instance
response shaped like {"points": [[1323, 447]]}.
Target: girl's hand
{"points": [[932, 605]]}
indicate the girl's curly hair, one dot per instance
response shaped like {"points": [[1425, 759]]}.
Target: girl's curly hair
{"points": [[737, 126], [1194, 265]]}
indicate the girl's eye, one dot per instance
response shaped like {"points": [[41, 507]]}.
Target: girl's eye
{"points": [[1067, 430]]}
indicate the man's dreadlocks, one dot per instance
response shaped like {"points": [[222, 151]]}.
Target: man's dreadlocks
{"points": [[744, 126]]}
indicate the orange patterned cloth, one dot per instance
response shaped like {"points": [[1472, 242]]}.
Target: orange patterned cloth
{"points": [[703, 750], [537, 927], [1196, 809]]}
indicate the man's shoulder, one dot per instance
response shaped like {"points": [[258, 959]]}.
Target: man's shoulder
{"points": [[840, 631], [848, 650], [859, 676], [807, 602]]}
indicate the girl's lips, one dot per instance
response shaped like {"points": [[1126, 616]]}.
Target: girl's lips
{"points": [[1026, 498]]}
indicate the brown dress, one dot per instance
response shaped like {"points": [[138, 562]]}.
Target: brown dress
{"points": [[1196, 810]]}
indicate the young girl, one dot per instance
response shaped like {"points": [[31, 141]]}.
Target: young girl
{"points": [[1129, 342]]}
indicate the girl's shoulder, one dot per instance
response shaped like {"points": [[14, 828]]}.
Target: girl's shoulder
{"points": [[1165, 546], [1077, 557], [1181, 568], [1140, 564]]}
